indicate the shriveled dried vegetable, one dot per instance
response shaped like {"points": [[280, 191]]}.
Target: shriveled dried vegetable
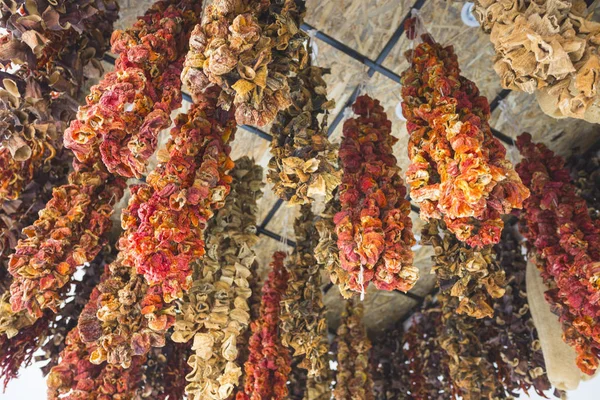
{"points": [[51, 50], [248, 48], [163, 374], [353, 380], [303, 321], [548, 47], [374, 231], [135, 309], [215, 312], [304, 163], [327, 252], [70, 229], [565, 244], [585, 172], [458, 169], [473, 276], [269, 363]]}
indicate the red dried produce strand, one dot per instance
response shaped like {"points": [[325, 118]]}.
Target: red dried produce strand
{"points": [[70, 229], [353, 379], [565, 242], [131, 105], [373, 227], [164, 224], [458, 168], [269, 362]]}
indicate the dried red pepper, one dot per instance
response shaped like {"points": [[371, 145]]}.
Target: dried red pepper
{"points": [[269, 363], [565, 243], [353, 379], [374, 231], [459, 171]]}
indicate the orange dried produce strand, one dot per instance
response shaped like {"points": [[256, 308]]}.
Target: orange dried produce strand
{"points": [[374, 230], [565, 242], [269, 362], [458, 169]]}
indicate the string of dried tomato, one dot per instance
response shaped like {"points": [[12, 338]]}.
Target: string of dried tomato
{"points": [[215, 312], [70, 229], [269, 363], [303, 320], [304, 163], [374, 231], [473, 276], [565, 243], [353, 379], [459, 171], [248, 48], [53, 49]]}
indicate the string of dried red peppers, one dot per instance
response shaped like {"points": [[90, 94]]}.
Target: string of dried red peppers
{"points": [[303, 322], [458, 169], [374, 231], [248, 48], [52, 49], [565, 243], [215, 312], [269, 362], [353, 379], [70, 229]]}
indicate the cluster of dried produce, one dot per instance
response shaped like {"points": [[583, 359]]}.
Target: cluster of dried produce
{"points": [[565, 244], [585, 172], [52, 49], [473, 276], [304, 163], [215, 312], [548, 47], [269, 363], [164, 224], [353, 378], [163, 374], [248, 48], [458, 168], [411, 364], [303, 322], [70, 229], [374, 231]]}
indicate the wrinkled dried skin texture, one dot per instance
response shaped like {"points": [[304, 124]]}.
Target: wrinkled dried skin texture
{"points": [[564, 241], [249, 49], [76, 378], [125, 112], [215, 312], [473, 276], [327, 252], [373, 227], [303, 319], [458, 170], [411, 364], [353, 378], [268, 366], [304, 163], [52, 50], [164, 226], [548, 48]]}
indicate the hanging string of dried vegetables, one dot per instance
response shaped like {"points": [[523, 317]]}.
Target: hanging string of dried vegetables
{"points": [[269, 362], [163, 374], [473, 276], [304, 163], [303, 322], [70, 229], [215, 312], [248, 48], [458, 169], [547, 47], [51, 50], [585, 172], [374, 231], [353, 379], [565, 244]]}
